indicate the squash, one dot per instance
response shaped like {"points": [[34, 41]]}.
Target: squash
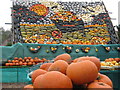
{"points": [[82, 72], [52, 79]]}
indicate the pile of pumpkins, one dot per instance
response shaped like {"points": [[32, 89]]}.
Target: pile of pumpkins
{"points": [[82, 73], [26, 61], [111, 62]]}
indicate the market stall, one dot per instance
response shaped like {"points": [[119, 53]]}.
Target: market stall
{"points": [[46, 30]]}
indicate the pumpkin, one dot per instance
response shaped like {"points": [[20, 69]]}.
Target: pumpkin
{"points": [[30, 86], [105, 79], [17, 64], [36, 58], [117, 59], [59, 65], [9, 61], [37, 73], [48, 42], [41, 42], [100, 85], [54, 42], [75, 60], [13, 61], [16, 61], [45, 66], [29, 58], [30, 63], [33, 63], [20, 63], [66, 57], [16, 58], [25, 63], [37, 80], [13, 64], [82, 72], [53, 79], [95, 60], [7, 64], [20, 59], [25, 58]]}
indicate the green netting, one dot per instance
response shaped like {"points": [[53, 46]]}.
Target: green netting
{"points": [[9, 52], [22, 50], [103, 54]]}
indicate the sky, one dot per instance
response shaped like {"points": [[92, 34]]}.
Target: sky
{"points": [[5, 11]]}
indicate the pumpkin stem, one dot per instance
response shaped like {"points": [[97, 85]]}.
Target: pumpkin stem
{"points": [[98, 78], [101, 84]]}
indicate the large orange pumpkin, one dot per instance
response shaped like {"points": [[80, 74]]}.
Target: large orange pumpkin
{"points": [[59, 65], [37, 80], [30, 86], [82, 72], [95, 60], [66, 57], [36, 73], [53, 79], [105, 79], [100, 85], [45, 66]]}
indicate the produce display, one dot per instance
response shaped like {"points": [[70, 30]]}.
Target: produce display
{"points": [[48, 22], [26, 61], [111, 63], [81, 73]]}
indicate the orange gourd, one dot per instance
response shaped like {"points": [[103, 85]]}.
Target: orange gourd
{"points": [[82, 72], [105, 79], [25, 58], [66, 57], [45, 66], [7, 64], [100, 85], [9, 61], [16, 58], [59, 65], [53, 79], [95, 60], [20, 59], [48, 42], [29, 58], [36, 73]]}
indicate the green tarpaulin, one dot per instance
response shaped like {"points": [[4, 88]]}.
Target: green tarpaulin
{"points": [[22, 50]]}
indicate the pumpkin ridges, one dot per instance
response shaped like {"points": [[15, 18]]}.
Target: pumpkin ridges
{"points": [[59, 65], [82, 72], [36, 83], [53, 79], [105, 79], [100, 85], [45, 66], [66, 57], [36, 73], [95, 60]]}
